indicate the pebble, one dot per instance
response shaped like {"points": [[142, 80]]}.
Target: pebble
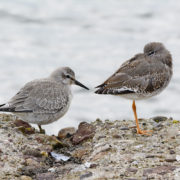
{"points": [[26, 178], [66, 132], [86, 175], [85, 131]]}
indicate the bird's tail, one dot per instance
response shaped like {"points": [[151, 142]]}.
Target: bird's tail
{"points": [[5, 108], [2, 105]]}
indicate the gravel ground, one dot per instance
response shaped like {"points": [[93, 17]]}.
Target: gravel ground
{"points": [[97, 151]]}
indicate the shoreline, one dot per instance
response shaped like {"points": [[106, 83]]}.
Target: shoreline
{"points": [[99, 150]]}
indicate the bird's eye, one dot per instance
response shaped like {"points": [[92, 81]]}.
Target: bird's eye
{"points": [[67, 76], [151, 53]]}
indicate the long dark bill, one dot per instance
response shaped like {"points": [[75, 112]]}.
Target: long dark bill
{"points": [[79, 84]]}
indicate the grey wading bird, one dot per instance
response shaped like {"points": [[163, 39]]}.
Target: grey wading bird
{"points": [[44, 101], [143, 76]]}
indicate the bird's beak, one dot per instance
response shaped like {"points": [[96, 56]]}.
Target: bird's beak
{"points": [[79, 84]]}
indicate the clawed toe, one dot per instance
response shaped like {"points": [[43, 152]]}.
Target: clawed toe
{"points": [[144, 132]]}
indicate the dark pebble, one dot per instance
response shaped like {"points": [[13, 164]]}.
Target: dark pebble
{"points": [[170, 160], [19, 123], [159, 118], [85, 131], [45, 176], [159, 170], [172, 152], [134, 170], [87, 175], [124, 128]]}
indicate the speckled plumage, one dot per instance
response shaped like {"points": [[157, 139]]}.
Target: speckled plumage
{"points": [[44, 101], [143, 76]]}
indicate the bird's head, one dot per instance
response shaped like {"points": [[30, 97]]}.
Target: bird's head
{"points": [[66, 76], [154, 48]]}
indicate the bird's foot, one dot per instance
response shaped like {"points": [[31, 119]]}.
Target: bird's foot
{"points": [[144, 132], [41, 131]]}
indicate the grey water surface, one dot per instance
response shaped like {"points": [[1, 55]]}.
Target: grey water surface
{"points": [[93, 37]]}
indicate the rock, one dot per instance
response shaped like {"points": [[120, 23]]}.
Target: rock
{"points": [[31, 162], [19, 123], [66, 132], [24, 127], [159, 118], [159, 170], [32, 152], [85, 131], [86, 175], [172, 132], [55, 143], [124, 128], [170, 160], [134, 170], [26, 130], [33, 170], [172, 152], [26, 178], [44, 154], [80, 153], [45, 176]]}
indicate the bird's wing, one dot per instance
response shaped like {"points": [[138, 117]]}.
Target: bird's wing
{"points": [[134, 75], [41, 97]]}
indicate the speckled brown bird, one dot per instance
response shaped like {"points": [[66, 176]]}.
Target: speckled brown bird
{"points": [[143, 76]]}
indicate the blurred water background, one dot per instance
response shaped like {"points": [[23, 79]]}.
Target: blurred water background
{"points": [[93, 37]]}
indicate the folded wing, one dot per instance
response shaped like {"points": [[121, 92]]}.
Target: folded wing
{"points": [[38, 97], [135, 76]]}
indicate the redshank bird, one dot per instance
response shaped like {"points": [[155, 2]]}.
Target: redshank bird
{"points": [[143, 76], [44, 101]]}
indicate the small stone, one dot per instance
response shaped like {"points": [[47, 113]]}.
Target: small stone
{"points": [[150, 156], [1, 151], [159, 170], [19, 123], [159, 118], [158, 127], [101, 137], [178, 157], [26, 178], [24, 127], [124, 128], [87, 175], [172, 152], [44, 154], [93, 165], [170, 160], [85, 131], [31, 162], [116, 136], [32, 152], [134, 170], [45, 176], [52, 170], [172, 132], [33, 170], [26, 130], [56, 144], [80, 153], [66, 132]]}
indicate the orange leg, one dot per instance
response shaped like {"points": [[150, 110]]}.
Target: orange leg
{"points": [[139, 131]]}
